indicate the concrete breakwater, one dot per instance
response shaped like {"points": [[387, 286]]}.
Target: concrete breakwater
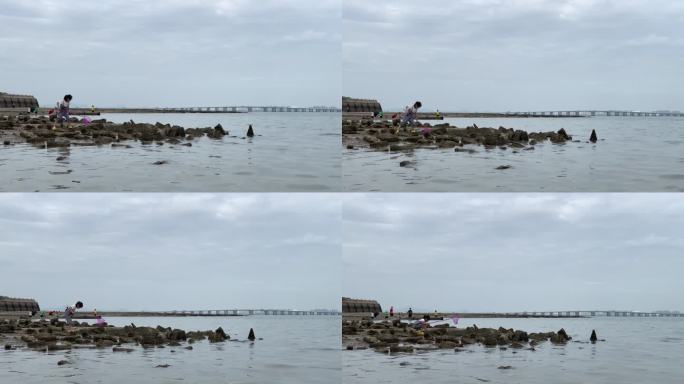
{"points": [[55, 335], [393, 136], [41, 132], [402, 337]]}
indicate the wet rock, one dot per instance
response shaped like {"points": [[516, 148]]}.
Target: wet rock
{"points": [[251, 334], [593, 337], [401, 348], [490, 341], [219, 331], [564, 135], [160, 162], [163, 366], [179, 334], [505, 367], [405, 163], [217, 336], [593, 138], [250, 131], [563, 335], [6, 142], [122, 349], [63, 362], [500, 167], [217, 133], [8, 347], [176, 131]]}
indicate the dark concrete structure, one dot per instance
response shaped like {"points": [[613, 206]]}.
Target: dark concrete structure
{"points": [[10, 304], [360, 105], [17, 101], [360, 306]]}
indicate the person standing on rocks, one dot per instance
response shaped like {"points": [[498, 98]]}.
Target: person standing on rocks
{"points": [[70, 310], [411, 113], [391, 311]]}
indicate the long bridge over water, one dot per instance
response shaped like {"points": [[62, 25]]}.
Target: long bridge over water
{"points": [[585, 113], [590, 313], [247, 108], [250, 312]]}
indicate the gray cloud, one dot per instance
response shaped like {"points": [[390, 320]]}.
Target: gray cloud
{"points": [[173, 53], [192, 251], [515, 252], [515, 54]]}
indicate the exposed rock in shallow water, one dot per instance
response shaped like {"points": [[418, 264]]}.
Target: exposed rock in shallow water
{"points": [[41, 132], [593, 138], [593, 337], [250, 131], [401, 337], [385, 135], [54, 335], [251, 335]]}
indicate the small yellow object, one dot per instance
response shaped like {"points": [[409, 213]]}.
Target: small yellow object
{"points": [[420, 333]]}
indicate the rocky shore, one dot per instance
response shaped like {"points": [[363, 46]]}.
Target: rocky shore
{"points": [[401, 337], [43, 133], [55, 335], [392, 136]]}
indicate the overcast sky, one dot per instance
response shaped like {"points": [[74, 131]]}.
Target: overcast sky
{"points": [[165, 252], [515, 252], [500, 55], [173, 52]]}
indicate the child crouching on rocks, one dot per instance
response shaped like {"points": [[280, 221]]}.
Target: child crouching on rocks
{"points": [[70, 310], [61, 113], [411, 113]]}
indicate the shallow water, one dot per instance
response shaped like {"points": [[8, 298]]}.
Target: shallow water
{"points": [[294, 349], [644, 350], [291, 152], [633, 154]]}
